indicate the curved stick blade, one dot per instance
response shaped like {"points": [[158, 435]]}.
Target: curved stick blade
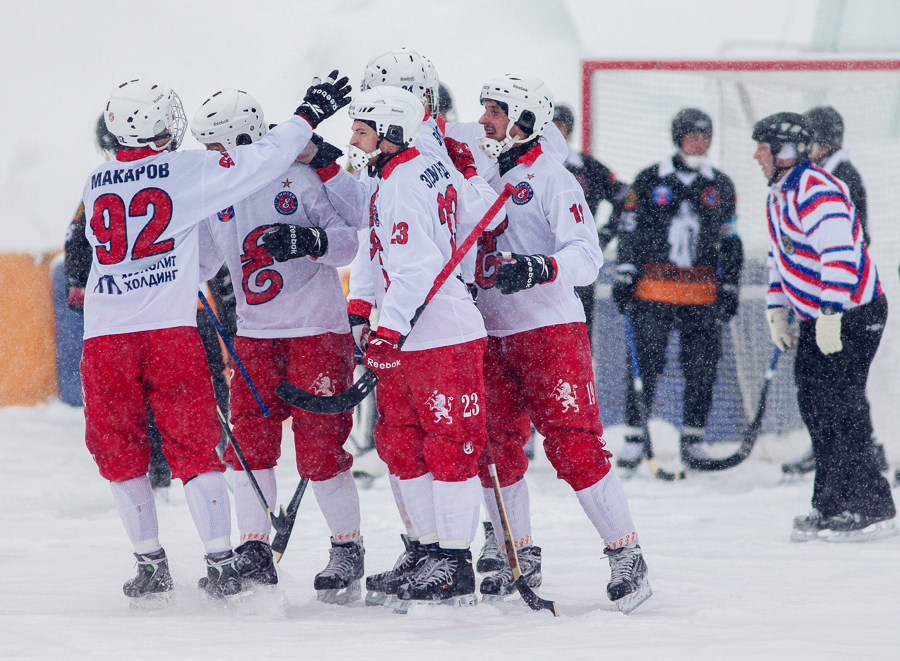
{"points": [[534, 602], [328, 404]]}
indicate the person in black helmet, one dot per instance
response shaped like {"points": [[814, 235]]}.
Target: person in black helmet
{"points": [[445, 104], [820, 268], [827, 151], [599, 183], [679, 266]]}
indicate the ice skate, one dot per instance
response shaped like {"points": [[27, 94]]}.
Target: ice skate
{"points": [[339, 582], [500, 585], [445, 577], [631, 456], [222, 579], [255, 565], [381, 589], [491, 558], [806, 528], [803, 464], [629, 585], [693, 451], [853, 527], [152, 588]]}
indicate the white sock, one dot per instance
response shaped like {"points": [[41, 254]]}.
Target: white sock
{"points": [[418, 498], [398, 498], [339, 501], [457, 509], [253, 524], [607, 508], [207, 499], [137, 509], [517, 502]]}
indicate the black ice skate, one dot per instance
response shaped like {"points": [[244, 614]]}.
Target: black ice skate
{"points": [[501, 584], [152, 587], [339, 582], [255, 564], [853, 527], [693, 451], [222, 579], [806, 528], [631, 456], [381, 589], [445, 577], [491, 558], [628, 585]]}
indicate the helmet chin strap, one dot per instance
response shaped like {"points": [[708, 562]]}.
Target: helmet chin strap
{"points": [[492, 148]]}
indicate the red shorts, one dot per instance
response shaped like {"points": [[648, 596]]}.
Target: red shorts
{"points": [[431, 416], [543, 376], [321, 364], [120, 374]]}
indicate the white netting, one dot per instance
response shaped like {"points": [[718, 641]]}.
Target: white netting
{"points": [[629, 128]]}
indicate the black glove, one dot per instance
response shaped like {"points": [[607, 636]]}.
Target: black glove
{"points": [[524, 272], [286, 242], [623, 287], [324, 98], [326, 155], [727, 302]]}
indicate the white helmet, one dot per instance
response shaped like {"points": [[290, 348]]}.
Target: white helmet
{"points": [[140, 112], [230, 117], [401, 68], [394, 113], [432, 85], [528, 104]]}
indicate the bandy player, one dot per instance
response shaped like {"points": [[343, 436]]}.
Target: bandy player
{"points": [[141, 342], [537, 366]]}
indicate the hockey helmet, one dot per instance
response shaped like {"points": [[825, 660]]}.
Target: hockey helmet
{"points": [[402, 67], [690, 120], [827, 126], [230, 117], [395, 114], [527, 102], [564, 115], [139, 113], [781, 129], [106, 141]]}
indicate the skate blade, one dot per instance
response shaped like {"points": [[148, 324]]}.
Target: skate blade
{"points": [[153, 602], [879, 530], [404, 606], [804, 535], [513, 596], [374, 598], [631, 601], [342, 596]]}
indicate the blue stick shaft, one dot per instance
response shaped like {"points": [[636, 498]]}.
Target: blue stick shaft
{"points": [[212, 315]]}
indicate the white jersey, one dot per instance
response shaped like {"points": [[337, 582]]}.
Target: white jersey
{"points": [[412, 217], [299, 297], [548, 215], [143, 210], [552, 142]]}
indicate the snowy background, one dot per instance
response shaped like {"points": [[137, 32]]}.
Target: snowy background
{"points": [[727, 582]]}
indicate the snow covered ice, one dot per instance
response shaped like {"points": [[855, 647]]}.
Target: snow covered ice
{"points": [[727, 581]]}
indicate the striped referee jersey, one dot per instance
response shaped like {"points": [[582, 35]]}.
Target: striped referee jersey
{"points": [[817, 256]]}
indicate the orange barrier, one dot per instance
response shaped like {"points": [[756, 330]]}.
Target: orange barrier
{"points": [[27, 330]]}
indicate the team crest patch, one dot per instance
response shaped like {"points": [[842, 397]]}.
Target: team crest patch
{"points": [[440, 405], [630, 200], [787, 244], [323, 385], [565, 394], [662, 195], [225, 215], [524, 193], [286, 203], [710, 198]]}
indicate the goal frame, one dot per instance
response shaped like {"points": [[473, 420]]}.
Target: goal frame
{"points": [[588, 67]]}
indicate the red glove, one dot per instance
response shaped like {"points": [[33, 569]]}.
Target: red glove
{"points": [[461, 156], [76, 298], [383, 354]]}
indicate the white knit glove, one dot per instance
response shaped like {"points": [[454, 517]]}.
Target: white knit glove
{"points": [[782, 334], [828, 333]]}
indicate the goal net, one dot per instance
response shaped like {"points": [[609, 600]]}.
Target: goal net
{"points": [[627, 108]]}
